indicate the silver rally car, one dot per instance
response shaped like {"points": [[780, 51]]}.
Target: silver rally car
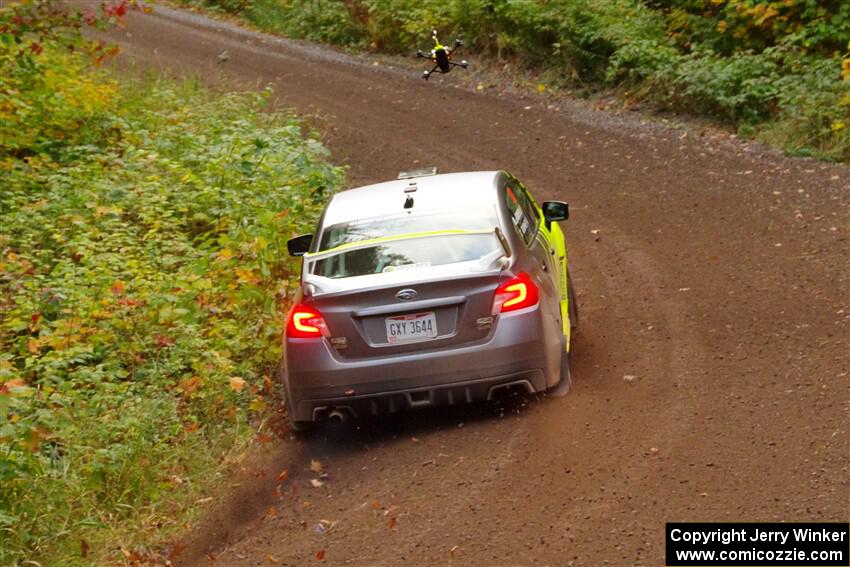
{"points": [[428, 290]]}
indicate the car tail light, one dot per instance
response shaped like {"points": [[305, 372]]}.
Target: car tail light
{"points": [[516, 293], [306, 323]]}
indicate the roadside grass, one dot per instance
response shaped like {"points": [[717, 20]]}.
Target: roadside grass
{"points": [[778, 72], [143, 278]]}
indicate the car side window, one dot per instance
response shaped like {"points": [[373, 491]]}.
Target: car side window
{"points": [[523, 212]]}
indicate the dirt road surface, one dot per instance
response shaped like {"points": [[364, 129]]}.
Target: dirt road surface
{"points": [[711, 367]]}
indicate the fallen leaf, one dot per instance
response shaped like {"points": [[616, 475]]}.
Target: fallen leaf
{"points": [[284, 474], [316, 483], [452, 550], [236, 383], [262, 439], [271, 512], [376, 505], [392, 523], [271, 558], [320, 555], [315, 466], [14, 383], [541, 88]]}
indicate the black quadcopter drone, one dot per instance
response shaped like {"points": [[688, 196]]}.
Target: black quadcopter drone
{"points": [[442, 57]]}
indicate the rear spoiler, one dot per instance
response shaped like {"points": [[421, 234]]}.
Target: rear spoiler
{"points": [[421, 172]]}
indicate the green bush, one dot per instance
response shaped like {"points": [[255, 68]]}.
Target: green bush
{"points": [[327, 21], [143, 270]]}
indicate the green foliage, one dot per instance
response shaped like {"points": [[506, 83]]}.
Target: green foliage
{"points": [[142, 268], [45, 100], [327, 21], [771, 68]]}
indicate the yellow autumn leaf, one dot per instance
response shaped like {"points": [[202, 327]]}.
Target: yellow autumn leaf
{"points": [[246, 275], [541, 88], [236, 383], [257, 404]]}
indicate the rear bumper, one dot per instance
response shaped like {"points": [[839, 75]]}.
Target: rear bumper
{"points": [[317, 379], [403, 400]]}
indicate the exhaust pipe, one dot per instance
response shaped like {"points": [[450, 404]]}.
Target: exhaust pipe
{"points": [[337, 416]]}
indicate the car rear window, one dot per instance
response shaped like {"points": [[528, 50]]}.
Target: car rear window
{"points": [[405, 223], [409, 253]]}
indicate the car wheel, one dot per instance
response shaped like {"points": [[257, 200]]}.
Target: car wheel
{"points": [[296, 426], [301, 426], [563, 387]]}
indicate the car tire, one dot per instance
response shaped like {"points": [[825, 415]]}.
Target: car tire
{"points": [[562, 388], [296, 426]]}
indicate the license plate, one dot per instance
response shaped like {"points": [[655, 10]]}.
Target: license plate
{"points": [[411, 328]]}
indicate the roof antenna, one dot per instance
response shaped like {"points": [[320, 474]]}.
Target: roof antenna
{"points": [[408, 202]]}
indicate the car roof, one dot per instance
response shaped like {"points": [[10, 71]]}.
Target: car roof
{"points": [[459, 191]]}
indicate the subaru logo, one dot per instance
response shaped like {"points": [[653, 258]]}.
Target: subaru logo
{"points": [[406, 294]]}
